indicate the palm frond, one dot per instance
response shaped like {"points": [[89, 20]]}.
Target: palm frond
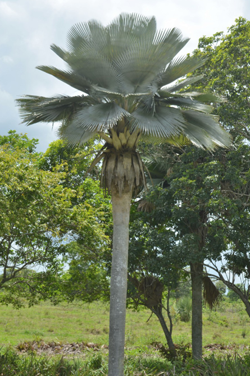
{"points": [[134, 24], [178, 68], [102, 93], [203, 130], [204, 97], [99, 117], [180, 85], [35, 109], [63, 54], [74, 135], [71, 78], [141, 63], [163, 122], [188, 103], [91, 65], [85, 34]]}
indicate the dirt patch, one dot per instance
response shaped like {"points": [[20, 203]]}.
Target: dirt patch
{"points": [[53, 348], [227, 348]]}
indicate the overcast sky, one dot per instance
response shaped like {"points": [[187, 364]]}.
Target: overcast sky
{"points": [[29, 27]]}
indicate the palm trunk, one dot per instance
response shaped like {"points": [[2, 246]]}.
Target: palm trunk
{"points": [[196, 275], [118, 290]]}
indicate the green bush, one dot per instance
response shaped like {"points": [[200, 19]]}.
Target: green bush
{"points": [[184, 308], [12, 364]]}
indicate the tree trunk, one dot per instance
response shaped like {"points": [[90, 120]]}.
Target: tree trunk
{"points": [[196, 276], [247, 305], [158, 312], [118, 289]]}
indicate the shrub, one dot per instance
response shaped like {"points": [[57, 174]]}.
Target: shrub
{"points": [[184, 308]]}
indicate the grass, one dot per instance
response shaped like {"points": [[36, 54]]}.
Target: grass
{"points": [[90, 322], [229, 326]]}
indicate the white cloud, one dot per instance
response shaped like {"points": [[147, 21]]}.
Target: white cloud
{"points": [[6, 10], [6, 59]]}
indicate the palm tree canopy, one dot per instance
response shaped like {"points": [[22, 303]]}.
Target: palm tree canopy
{"points": [[127, 73]]}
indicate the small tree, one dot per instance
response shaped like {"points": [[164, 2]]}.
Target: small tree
{"points": [[36, 220]]}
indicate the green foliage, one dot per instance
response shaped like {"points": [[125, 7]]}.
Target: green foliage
{"points": [[233, 296], [96, 365], [183, 288], [184, 308], [221, 287], [86, 278], [152, 248], [73, 160], [19, 141], [205, 201], [13, 364], [226, 72], [37, 219]]}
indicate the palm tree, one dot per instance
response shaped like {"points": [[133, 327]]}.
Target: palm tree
{"points": [[126, 72]]}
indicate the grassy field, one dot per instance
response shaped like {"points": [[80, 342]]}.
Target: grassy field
{"points": [[226, 330], [89, 323]]}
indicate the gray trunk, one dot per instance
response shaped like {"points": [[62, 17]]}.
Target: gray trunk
{"points": [[158, 312], [247, 305], [118, 288], [196, 275]]}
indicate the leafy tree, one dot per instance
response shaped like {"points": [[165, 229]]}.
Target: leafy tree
{"points": [[151, 254], [20, 141], [87, 277], [232, 202], [206, 202], [226, 72], [73, 159], [125, 71], [37, 220], [183, 204]]}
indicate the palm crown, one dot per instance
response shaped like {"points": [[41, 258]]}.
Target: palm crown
{"points": [[126, 72]]}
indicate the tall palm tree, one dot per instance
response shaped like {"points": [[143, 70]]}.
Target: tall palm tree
{"points": [[126, 72]]}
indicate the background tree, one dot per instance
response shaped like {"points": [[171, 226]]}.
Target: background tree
{"points": [[183, 204], [226, 72], [154, 269], [37, 220], [125, 71]]}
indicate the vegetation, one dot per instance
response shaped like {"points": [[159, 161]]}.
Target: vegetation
{"points": [[126, 72], [204, 196], [56, 226], [88, 323], [230, 53], [39, 223]]}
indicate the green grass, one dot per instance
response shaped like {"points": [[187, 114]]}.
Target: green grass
{"points": [[90, 322], [229, 325]]}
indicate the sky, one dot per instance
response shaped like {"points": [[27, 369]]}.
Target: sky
{"points": [[29, 27]]}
